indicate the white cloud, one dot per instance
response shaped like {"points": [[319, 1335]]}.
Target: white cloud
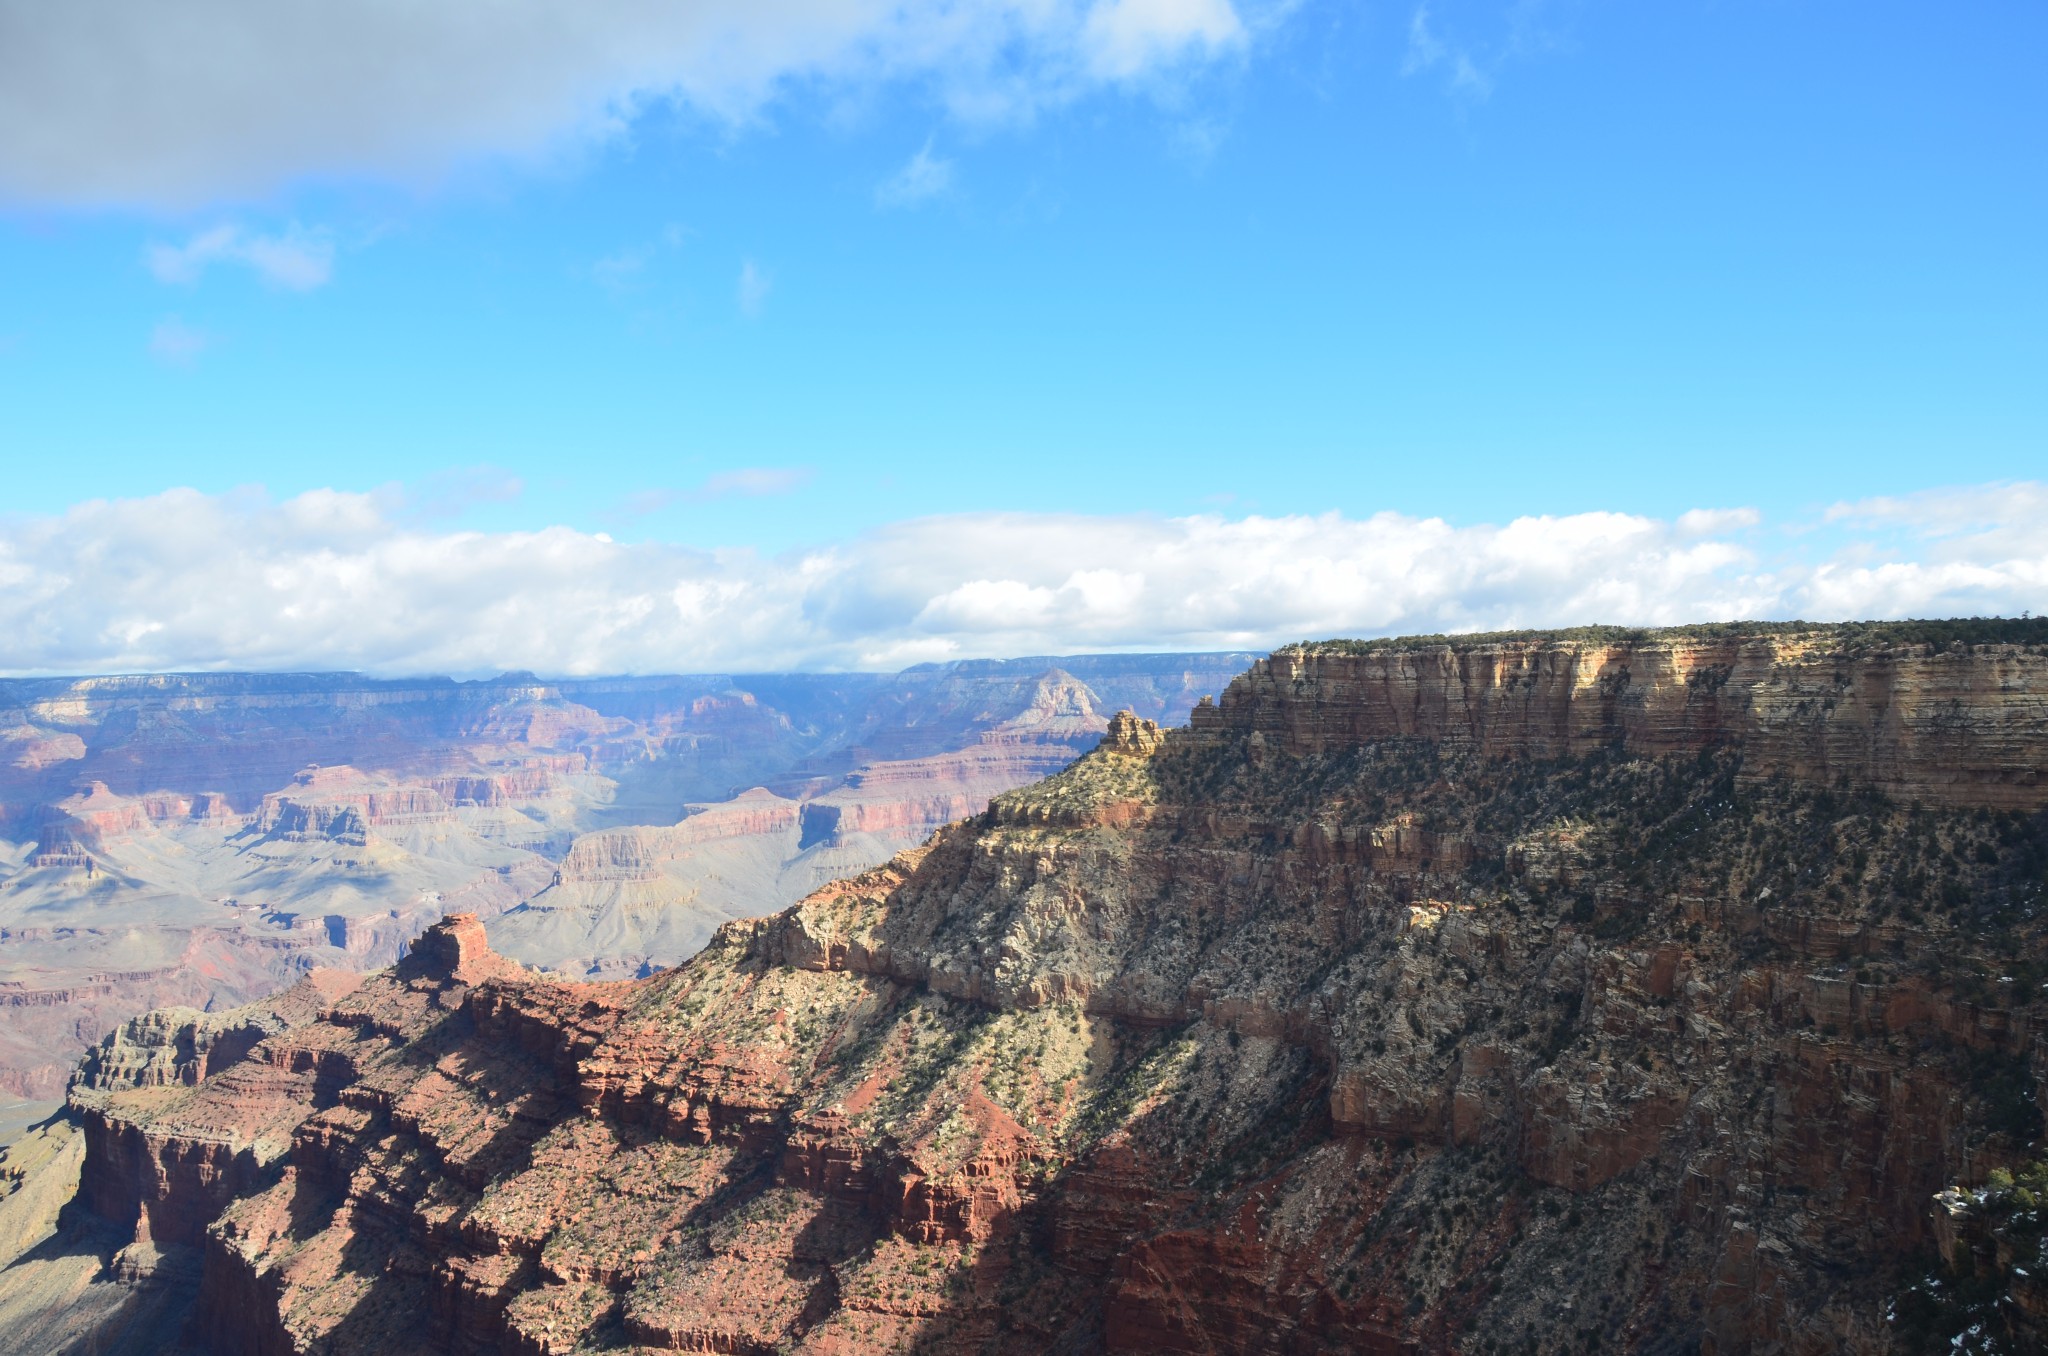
{"points": [[924, 176], [1955, 509], [1707, 522], [1127, 37], [298, 260], [119, 101], [330, 579], [1975, 543], [753, 287], [176, 343]]}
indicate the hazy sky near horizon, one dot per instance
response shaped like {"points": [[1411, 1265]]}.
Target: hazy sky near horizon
{"points": [[762, 333]]}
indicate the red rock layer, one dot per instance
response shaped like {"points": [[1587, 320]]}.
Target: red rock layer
{"points": [[1261, 1038], [314, 806]]}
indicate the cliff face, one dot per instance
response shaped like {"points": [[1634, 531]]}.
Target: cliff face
{"points": [[1393, 1007], [638, 853], [1956, 724], [202, 840]]}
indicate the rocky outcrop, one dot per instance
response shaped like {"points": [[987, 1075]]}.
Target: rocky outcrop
{"points": [[31, 750], [496, 790], [201, 840], [1252, 1040], [171, 1047], [639, 852], [905, 799], [342, 805], [1952, 722], [1129, 734]]}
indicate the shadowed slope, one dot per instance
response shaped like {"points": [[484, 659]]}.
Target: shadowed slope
{"points": [[1644, 1014]]}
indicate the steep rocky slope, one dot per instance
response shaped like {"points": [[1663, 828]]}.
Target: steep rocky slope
{"points": [[628, 900], [1570, 993], [200, 840]]}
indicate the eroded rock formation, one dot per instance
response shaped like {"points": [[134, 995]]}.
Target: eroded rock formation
{"points": [[201, 840], [1395, 1006]]}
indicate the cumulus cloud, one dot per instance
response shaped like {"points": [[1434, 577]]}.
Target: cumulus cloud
{"points": [[1963, 548], [127, 101], [297, 260], [337, 580], [1705, 522]]}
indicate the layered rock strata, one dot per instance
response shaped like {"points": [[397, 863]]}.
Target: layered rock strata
{"points": [[1956, 723], [201, 840], [1374, 1013]]}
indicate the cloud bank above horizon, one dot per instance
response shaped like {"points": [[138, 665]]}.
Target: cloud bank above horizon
{"points": [[127, 103], [341, 580]]}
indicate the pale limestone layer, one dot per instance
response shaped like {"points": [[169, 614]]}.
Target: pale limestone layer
{"points": [[1958, 726]]}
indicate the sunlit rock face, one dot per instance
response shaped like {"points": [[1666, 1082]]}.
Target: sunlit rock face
{"points": [[1333, 1023], [202, 840]]}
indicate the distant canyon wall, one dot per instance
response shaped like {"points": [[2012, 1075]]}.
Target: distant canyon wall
{"points": [[202, 839]]}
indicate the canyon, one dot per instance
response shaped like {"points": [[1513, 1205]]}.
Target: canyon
{"points": [[202, 840], [1659, 992]]}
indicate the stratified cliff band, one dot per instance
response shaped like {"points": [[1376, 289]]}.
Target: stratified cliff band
{"points": [[205, 839], [1564, 993]]}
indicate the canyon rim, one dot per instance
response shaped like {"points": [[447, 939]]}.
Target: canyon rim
{"points": [[1642, 991]]}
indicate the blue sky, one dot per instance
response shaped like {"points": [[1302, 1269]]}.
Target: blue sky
{"points": [[1477, 262]]}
